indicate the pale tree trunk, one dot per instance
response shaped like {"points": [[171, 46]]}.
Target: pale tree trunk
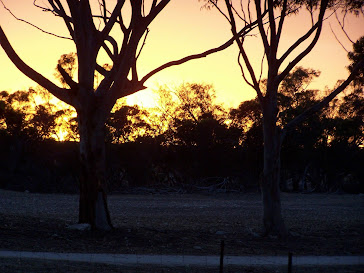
{"points": [[93, 207], [272, 215]]}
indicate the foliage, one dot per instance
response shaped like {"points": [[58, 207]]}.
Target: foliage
{"points": [[190, 122], [193, 117], [31, 114], [127, 123], [355, 56]]}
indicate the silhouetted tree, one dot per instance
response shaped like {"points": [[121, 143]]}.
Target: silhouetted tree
{"points": [[271, 16], [126, 123], [90, 28], [193, 116], [44, 122], [14, 111], [247, 119]]}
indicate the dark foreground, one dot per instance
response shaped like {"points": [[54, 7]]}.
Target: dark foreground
{"points": [[35, 266], [321, 224]]}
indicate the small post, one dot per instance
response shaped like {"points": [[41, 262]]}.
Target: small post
{"points": [[222, 256], [289, 262]]}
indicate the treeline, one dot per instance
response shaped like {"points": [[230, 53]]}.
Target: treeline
{"points": [[188, 141]]}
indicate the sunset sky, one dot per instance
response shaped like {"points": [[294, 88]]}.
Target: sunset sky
{"points": [[181, 29]]}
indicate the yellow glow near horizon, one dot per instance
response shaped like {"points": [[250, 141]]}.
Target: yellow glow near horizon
{"points": [[181, 29]]}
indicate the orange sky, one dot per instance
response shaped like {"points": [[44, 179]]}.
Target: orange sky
{"points": [[181, 29]]}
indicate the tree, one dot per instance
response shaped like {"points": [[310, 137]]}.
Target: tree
{"points": [[247, 119], [14, 112], [192, 116], [271, 16], [127, 123], [90, 28]]}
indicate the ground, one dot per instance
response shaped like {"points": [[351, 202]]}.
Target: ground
{"points": [[321, 224]]}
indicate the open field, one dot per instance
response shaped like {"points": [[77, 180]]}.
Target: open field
{"points": [[322, 224]]}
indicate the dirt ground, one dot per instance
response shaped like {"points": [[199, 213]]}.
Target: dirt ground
{"points": [[32, 266], [321, 224]]}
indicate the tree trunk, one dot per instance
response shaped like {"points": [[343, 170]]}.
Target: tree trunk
{"points": [[272, 215], [93, 207]]}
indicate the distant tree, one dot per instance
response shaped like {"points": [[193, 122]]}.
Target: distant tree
{"points": [[90, 28], [127, 123], [13, 112], [193, 116], [44, 122], [271, 16], [247, 119]]}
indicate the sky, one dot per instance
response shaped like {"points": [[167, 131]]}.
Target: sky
{"points": [[181, 29]]}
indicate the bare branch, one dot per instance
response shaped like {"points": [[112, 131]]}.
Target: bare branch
{"points": [[281, 20], [114, 44], [155, 10], [261, 27], [68, 20], [54, 10], [122, 25], [243, 73], [67, 78], [22, 20], [154, 4], [219, 10], [342, 26], [242, 32], [143, 44], [255, 84], [240, 17], [273, 35], [261, 69], [114, 15], [63, 94], [337, 39], [318, 27], [102, 70], [317, 107], [104, 11]]}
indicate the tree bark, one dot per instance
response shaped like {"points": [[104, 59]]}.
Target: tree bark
{"points": [[93, 207], [272, 215]]}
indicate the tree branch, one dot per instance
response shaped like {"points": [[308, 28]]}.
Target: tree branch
{"points": [[281, 20], [317, 27], [261, 27], [218, 9], [42, 30], [61, 93], [155, 10], [255, 84], [273, 35], [242, 32], [102, 70], [342, 26], [317, 107], [61, 12], [67, 78], [143, 44], [243, 73], [186, 59], [337, 39], [309, 47], [114, 15]]}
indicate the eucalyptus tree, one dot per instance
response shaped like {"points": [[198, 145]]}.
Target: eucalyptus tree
{"points": [[91, 26], [271, 16], [193, 116]]}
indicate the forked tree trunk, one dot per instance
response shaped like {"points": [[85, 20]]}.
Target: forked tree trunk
{"points": [[272, 214], [93, 207]]}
